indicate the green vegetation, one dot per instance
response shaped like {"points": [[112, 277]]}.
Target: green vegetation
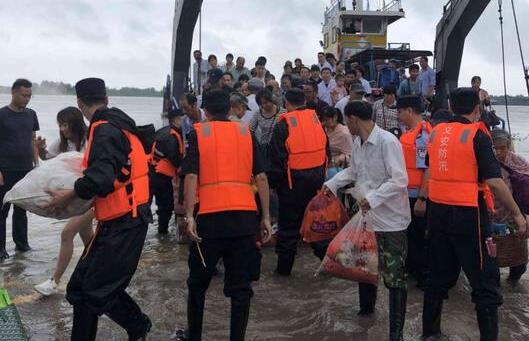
{"points": [[512, 100], [60, 88]]}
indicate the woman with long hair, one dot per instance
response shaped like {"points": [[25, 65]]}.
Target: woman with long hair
{"points": [[73, 132]]}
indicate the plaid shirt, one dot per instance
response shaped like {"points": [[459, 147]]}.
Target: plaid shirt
{"points": [[385, 117]]}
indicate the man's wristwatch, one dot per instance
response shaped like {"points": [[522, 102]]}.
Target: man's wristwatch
{"points": [[423, 199]]}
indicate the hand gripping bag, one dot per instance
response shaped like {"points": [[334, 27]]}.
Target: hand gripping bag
{"points": [[353, 252], [324, 218], [58, 173]]}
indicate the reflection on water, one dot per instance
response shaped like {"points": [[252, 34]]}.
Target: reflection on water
{"points": [[299, 308]]}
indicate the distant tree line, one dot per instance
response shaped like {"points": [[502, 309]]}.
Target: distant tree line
{"points": [[512, 100], [60, 88]]}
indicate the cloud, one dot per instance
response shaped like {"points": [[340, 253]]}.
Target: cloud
{"points": [[128, 42]]}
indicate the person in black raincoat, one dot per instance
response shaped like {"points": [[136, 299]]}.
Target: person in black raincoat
{"points": [[167, 156], [295, 196], [98, 283]]}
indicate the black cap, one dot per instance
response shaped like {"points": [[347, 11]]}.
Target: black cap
{"points": [[214, 75], [295, 96], [464, 100], [90, 87], [414, 102]]}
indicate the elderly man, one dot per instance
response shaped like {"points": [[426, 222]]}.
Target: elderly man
{"points": [[379, 171], [239, 69]]}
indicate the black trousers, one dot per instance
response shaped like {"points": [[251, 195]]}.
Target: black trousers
{"points": [[292, 205], [98, 283], [162, 190], [416, 263], [19, 218], [238, 255], [457, 241]]}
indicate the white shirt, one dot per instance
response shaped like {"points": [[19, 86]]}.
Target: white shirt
{"points": [[248, 116], [340, 105], [204, 67], [252, 103], [325, 90], [343, 103], [54, 148], [379, 171], [366, 85]]}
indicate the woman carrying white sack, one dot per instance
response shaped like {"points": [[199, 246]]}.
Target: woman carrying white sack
{"points": [[72, 138]]}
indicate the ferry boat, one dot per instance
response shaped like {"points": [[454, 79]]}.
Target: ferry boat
{"points": [[357, 32]]}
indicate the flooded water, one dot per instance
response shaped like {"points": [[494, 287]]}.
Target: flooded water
{"points": [[299, 308]]}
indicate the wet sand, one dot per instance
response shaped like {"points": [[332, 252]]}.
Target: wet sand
{"points": [[298, 308]]}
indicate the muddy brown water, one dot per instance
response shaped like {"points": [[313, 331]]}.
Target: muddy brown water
{"points": [[298, 308]]}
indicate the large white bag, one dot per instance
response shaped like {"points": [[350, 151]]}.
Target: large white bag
{"points": [[60, 172]]}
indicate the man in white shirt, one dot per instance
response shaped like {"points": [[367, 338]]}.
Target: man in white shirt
{"points": [[200, 72], [360, 73], [378, 171], [229, 66], [322, 61], [326, 86]]}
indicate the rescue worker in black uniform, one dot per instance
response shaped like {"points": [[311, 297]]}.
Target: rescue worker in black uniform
{"points": [[462, 176], [227, 224], [167, 154], [116, 177], [296, 181]]}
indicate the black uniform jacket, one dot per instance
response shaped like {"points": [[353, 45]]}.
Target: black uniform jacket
{"points": [[108, 155]]}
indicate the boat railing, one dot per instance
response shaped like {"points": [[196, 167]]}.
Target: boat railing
{"points": [[399, 46], [383, 6], [393, 6]]}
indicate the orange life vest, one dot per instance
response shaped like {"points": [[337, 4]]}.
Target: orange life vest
{"points": [[409, 148], [453, 166], [226, 163], [130, 192], [306, 142], [161, 164]]}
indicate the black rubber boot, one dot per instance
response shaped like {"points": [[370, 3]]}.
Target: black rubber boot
{"points": [[240, 312], [195, 315], [285, 263], [431, 315], [163, 222], [397, 313], [367, 294], [488, 323], [515, 273]]}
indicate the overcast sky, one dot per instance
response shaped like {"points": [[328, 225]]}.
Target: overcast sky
{"points": [[128, 42]]}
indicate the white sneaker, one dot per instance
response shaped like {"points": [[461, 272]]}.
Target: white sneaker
{"points": [[47, 288]]}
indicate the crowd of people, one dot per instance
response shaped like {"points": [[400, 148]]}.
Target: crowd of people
{"points": [[244, 154]]}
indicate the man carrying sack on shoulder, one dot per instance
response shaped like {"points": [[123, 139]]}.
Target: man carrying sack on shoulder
{"points": [[116, 176]]}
